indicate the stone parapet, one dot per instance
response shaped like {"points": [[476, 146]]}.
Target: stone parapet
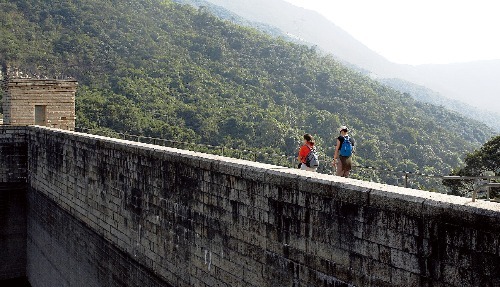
{"points": [[13, 154]]}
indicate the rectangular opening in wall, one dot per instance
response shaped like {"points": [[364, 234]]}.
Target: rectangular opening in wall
{"points": [[40, 115]]}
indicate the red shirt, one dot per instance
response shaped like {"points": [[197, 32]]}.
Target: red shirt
{"points": [[304, 151]]}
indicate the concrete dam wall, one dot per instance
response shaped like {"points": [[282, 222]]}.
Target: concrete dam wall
{"points": [[107, 212]]}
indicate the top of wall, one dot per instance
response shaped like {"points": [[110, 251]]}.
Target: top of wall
{"points": [[15, 78], [38, 84], [8, 72], [24, 82]]}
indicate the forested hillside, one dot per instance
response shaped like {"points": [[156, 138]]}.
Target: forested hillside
{"points": [[161, 69]]}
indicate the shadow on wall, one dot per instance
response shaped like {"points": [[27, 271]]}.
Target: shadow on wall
{"points": [[20, 282]]}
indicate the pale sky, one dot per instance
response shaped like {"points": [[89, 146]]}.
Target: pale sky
{"points": [[418, 32]]}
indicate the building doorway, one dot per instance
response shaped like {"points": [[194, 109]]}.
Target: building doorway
{"points": [[40, 115]]}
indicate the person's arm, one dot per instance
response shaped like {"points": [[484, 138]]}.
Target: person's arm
{"points": [[300, 157], [336, 153]]}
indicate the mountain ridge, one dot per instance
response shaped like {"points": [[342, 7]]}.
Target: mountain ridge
{"points": [[473, 82], [426, 95]]}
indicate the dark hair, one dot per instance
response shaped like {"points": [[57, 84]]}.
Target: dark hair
{"points": [[309, 138]]}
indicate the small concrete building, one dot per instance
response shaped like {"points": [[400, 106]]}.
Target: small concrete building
{"points": [[28, 101]]}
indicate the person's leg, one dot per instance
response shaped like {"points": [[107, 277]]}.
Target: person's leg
{"points": [[347, 167], [340, 169]]}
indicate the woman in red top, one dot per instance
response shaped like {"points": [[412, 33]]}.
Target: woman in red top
{"points": [[304, 151]]}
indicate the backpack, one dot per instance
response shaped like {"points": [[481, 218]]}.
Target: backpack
{"points": [[346, 148], [312, 159]]}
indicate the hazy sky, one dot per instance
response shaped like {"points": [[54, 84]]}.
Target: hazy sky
{"points": [[419, 31]]}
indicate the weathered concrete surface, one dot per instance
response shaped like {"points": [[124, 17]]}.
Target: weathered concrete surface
{"points": [[13, 164], [12, 231], [13, 154], [200, 220], [63, 251]]}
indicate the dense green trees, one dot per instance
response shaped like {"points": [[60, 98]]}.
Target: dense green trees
{"points": [[161, 69], [477, 163]]}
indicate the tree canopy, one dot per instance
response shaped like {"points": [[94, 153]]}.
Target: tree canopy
{"points": [[477, 163]]}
